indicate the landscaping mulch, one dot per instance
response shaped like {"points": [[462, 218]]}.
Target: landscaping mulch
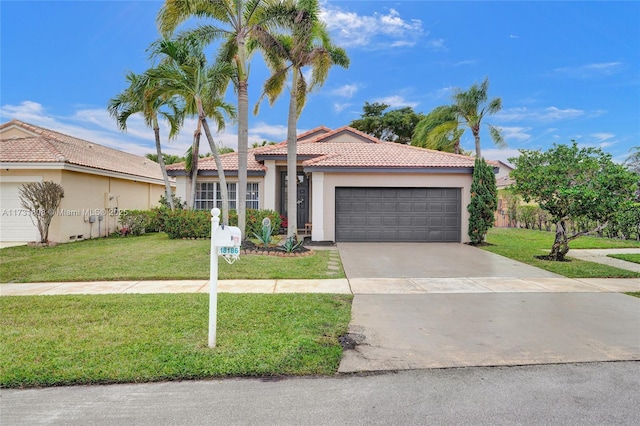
{"points": [[250, 248]]}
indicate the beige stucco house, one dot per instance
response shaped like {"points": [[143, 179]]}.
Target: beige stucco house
{"points": [[351, 187], [98, 183]]}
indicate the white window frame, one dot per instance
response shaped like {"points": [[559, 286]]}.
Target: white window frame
{"points": [[253, 195], [213, 196]]}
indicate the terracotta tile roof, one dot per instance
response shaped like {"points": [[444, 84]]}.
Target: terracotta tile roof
{"points": [[313, 133], [49, 146], [229, 162], [346, 148], [385, 155], [330, 151]]}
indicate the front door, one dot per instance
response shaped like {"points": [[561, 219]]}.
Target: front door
{"points": [[302, 198]]}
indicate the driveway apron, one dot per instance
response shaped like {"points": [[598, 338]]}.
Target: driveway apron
{"points": [[400, 331], [429, 260]]}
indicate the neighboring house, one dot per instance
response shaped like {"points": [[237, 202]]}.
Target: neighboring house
{"points": [[98, 183], [351, 187], [503, 181]]}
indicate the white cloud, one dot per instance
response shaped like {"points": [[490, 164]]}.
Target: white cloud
{"points": [[340, 107], [516, 133], [95, 125], [591, 70], [547, 114], [270, 132], [437, 44], [513, 114], [602, 140], [466, 62], [441, 94], [396, 101], [602, 136], [553, 113], [500, 154], [346, 91], [373, 31]]}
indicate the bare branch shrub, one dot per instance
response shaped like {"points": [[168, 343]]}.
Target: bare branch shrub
{"points": [[41, 199]]}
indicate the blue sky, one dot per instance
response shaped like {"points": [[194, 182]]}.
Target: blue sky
{"points": [[564, 70]]}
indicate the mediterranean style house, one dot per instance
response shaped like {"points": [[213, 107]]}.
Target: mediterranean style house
{"points": [[98, 183], [350, 186]]}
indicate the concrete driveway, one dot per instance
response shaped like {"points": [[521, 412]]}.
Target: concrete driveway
{"points": [[466, 326], [430, 260]]}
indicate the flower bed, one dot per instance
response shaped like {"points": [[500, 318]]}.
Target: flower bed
{"points": [[248, 247]]}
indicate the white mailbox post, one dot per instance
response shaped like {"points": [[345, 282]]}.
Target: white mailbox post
{"points": [[225, 241]]}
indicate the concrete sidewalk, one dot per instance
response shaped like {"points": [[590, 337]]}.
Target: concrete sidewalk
{"points": [[341, 286], [600, 256]]}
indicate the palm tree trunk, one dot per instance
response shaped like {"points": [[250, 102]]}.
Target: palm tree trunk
{"points": [[476, 136], [243, 132], [243, 142], [216, 155], [292, 178], [163, 168], [195, 157]]}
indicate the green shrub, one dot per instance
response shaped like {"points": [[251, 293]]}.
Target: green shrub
{"points": [[197, 223], [626, 224], [188, 224], [528, 216], [484, 201], [135, 222], [255, 217]]}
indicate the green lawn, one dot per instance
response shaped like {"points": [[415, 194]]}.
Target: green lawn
{"points": [[635, 258], [148, 257], [524, 244], [65, 340]]}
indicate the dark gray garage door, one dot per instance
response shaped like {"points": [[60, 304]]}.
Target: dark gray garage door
{"points": [[398, 214]]}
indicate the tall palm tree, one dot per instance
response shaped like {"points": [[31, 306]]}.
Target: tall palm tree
{"points": [[307, 45], [471, 106], [438, 130], [137, 98], [183, 73], [237, 21]]}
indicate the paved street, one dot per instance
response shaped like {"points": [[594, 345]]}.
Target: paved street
{"points": [[567, 394]]}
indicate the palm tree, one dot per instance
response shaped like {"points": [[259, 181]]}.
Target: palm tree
{"points": [[183, 73], [438, 130], [308, 45], [471, 106], [239, 20], [137, 98]]}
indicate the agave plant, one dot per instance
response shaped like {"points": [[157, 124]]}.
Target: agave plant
{"points": [[266, 237], [291, 244]]}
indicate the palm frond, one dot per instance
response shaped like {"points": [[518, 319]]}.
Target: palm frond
{"points": [[496, 135]]}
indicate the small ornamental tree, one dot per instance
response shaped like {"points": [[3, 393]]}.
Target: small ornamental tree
{"points": [[484, 201], [41, 199], [571, 183]]}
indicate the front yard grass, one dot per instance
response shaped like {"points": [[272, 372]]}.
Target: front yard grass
{"points": [[524, 244], [635, 258], [148, 257], [70, 340]]}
